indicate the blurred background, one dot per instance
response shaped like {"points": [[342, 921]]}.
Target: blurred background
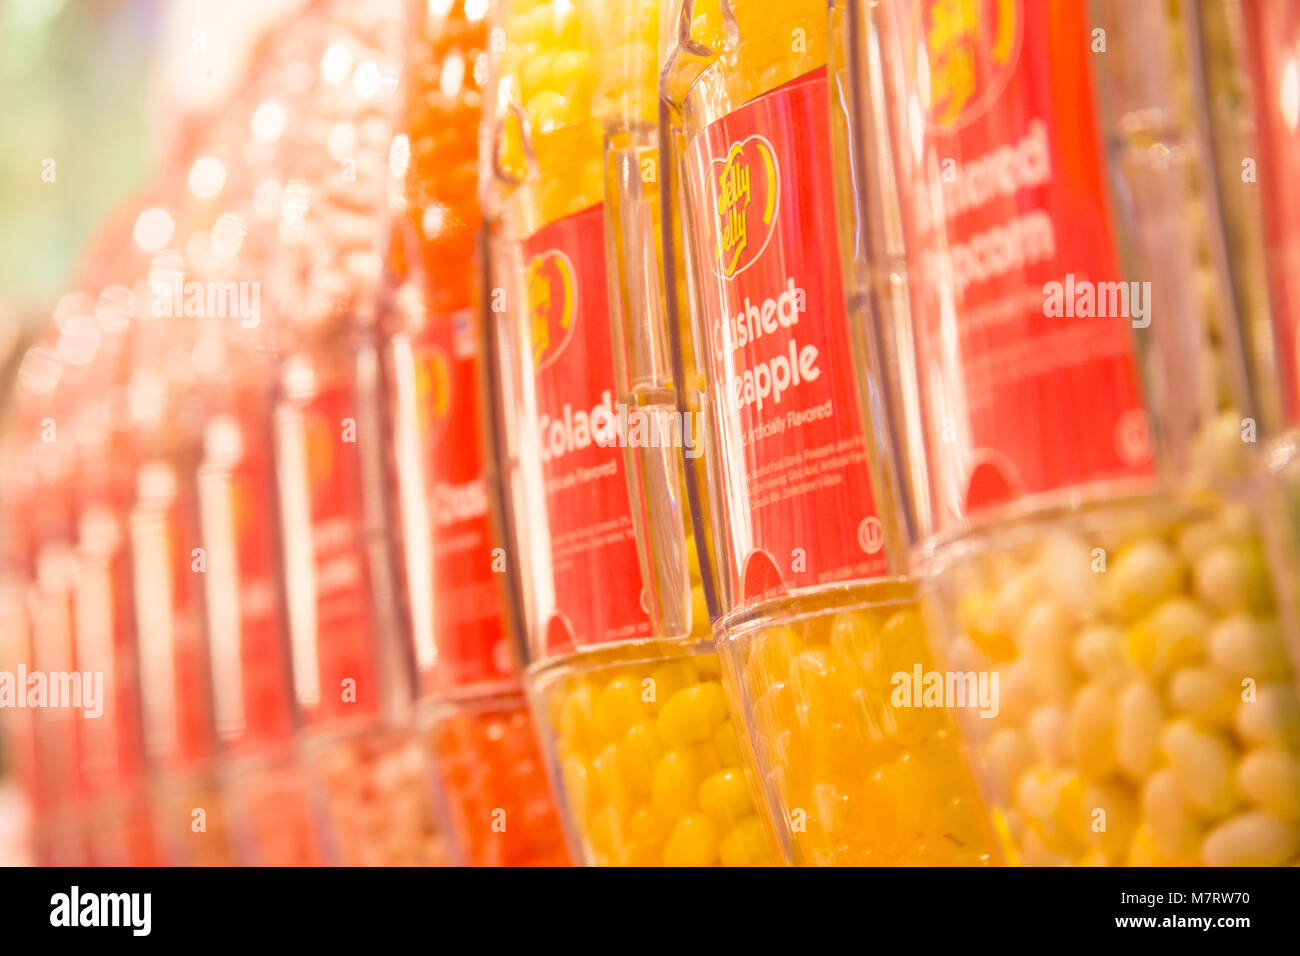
{"points": [[93, 93]]}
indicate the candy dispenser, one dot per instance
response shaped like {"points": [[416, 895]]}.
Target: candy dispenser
{"points": [[1258, 82], [40, 563], [624, 681], [271, 800], [473, 712], [1049, 328], [168, 565], [112, 749], [816, 618], [350, 675]]}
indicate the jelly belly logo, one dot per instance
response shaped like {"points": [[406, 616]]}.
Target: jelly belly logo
{"points": [[550, 305], [969, 55], [433, 386], [745, 190]]}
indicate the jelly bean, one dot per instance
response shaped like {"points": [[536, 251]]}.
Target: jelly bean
{"points": [[1255, 838], [694, 842], [692, 714], [1168, 818], [1273, 717], [676, 783], [1233, 578], [1099, 651], [1173, 635], [746, 845], [1092, 730], [1137, 730], [1141, 576], [641, 749], [725, 796], [618, 707], [1245, 646], [1203, 693], [1203, 767], [1270, 778]]}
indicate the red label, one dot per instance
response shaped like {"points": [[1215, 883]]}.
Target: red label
{"points": [[1273, 37], [1023, 332], [792, 448], [249, 648], [169, 626], [594, 566], [330, 630], [466, 644]]}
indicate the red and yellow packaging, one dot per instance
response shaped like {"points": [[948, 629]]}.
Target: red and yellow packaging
{"points": [[472, 709], [635, 724], [1064, 379], [815, 615]]}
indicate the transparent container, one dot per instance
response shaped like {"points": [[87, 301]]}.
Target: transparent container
{"points": [[1072, 424], [613, 604], [39, 563], [351, 674], [815, 615], [472, 711], [168, 567], [275, 815]]}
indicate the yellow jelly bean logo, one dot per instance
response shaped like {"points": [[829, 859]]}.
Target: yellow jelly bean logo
{"points": [[320, 438], [970, 52], [433, 385], [746, 191], [550, 305]]}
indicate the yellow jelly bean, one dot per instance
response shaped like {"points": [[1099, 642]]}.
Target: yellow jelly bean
{"points": [[1141, 576], [724, 796], [773, 651], [694, 842], [1203, 693], [1270, 778], [611, 778], [1244, 646], [577, 786], [1256, 838], [746, 845], [640, 749], [1234, 577], [1203, 767], [649, 827], [1137, 728], [619, 707], [1092, 730], [903, 640], [1167, 820], [692, 714], [1173, 635], [811, 681], [669, 678], [728, 745], [1271, 718], [606, 833], [676, 783], [577, 717]]}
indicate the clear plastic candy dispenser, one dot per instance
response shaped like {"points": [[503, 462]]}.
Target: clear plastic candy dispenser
{"points": [[816, 617], [634, 720], [1053, 335], [472, 710]]}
